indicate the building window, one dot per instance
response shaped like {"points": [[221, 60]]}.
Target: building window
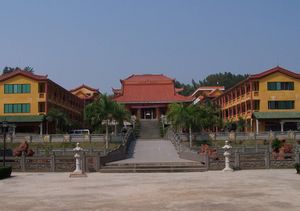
{"points": [[16, 88], [255, 86], [256, 105], [17, 108], [42, 88], [289, 104], [274, 86], [41, 107]]}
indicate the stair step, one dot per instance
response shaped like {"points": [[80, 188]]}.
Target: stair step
{"points": [[156, 164], [150, 167], [151, 170]]}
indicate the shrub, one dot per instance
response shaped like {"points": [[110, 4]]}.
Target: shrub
{"points": [[5, 172], [297, 167], [276, 145]]}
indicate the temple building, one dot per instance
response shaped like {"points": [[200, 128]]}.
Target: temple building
{"points": [[148, 96], [86, 93], [266, 101]]}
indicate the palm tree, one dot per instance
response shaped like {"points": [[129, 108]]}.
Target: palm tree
{"points": [[183, 116], [59, 118], [104, 110]]}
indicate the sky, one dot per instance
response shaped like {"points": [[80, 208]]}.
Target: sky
{"points": [[99, 42]]}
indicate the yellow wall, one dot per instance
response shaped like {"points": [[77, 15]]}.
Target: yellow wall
{"points": [[33, 97], [265, 95]]}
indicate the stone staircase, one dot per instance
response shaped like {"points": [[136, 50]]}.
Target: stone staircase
{"points": [[149, 129], [153, 167]]}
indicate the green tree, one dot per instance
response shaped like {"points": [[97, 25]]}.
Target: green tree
{"points": [[11, 69], [184, 117], [226, 79], [29, 69], [104, 111], [241, 124], [59, 118]]}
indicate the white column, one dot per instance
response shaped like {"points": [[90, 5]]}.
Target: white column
{"points": [[281, 126], [41, 129], [257, 128]]}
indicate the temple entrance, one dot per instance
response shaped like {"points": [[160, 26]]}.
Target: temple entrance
{"points": [[148, 113]]}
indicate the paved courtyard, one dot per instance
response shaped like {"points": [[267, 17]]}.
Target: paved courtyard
{"points": [[213, 190]]}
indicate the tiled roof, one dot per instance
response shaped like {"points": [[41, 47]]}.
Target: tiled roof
{"points": [[276, 115], [24, 73], [147, 77], [25, 118], [273, 70], [149, 89], [84, 86]]}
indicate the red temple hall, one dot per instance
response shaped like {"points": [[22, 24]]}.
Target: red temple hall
{"points": [[148, 96]]}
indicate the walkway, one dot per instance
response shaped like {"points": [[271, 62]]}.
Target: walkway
{"points": [[152, 150]]}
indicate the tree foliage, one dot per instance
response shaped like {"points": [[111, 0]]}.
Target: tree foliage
{"points": [[105, 110], [226, 79], [198, 117], [11, 69], [60, 119]]}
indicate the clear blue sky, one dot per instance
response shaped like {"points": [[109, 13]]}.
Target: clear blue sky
{"points": [[99, 42]]}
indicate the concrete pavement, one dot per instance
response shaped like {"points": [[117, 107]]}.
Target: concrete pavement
{"points": [[214, 190]]}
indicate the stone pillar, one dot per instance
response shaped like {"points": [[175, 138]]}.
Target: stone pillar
{"points": [[257, 126], [157, 113], [41, 129], [139, 112], [53, 162], [237, 160], [281, 126], [267, 159]]}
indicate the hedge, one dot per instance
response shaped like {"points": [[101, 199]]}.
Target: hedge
{"points": [[5, 172]]}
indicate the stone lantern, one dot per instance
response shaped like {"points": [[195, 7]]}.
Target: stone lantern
{"points": [[78, 171], [227, 154]]}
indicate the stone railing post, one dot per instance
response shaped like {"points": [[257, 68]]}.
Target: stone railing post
{"points": [[297, 157], [23, 162], [207, 161], [52, 162], [237, 159], [83, 162], [267, 159], [98, 162]]}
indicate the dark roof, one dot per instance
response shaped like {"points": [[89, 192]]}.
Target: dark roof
{"points": [[25, 118], [276, 115]]}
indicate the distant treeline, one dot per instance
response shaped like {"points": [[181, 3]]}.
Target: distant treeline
{"points": [[226, 79]]}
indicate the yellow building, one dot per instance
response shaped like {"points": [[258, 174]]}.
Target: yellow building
{"points": [[26, 98], [267, 101]]}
